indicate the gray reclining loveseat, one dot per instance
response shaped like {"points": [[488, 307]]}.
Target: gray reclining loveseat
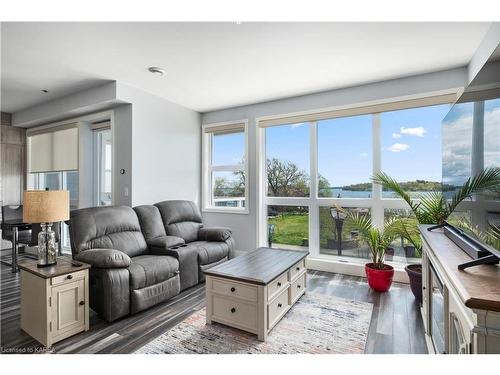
{"points": [[146, 255]]}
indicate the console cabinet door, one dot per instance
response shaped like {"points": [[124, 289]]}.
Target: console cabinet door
{"points": [[425, 292], [68, 308]]}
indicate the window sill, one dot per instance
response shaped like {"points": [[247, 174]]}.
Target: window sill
{"points": [[239, 211]]}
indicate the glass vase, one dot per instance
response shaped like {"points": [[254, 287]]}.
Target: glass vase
{"points": [[47, 252]]}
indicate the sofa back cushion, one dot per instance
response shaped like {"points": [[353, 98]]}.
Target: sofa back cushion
{"points": [[113, 227], [150, 221], [181, 219]]}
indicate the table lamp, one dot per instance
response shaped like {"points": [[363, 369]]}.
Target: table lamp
{"points": [[46, 207]]}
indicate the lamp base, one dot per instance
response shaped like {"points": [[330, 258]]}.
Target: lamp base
{"points": [[47, 253]]}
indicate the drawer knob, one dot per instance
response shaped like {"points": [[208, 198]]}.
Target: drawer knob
{"points": [[69, 277], [279, 305], [233, 310], [298, 286], [233, 289], [82, 303], [298, 268], [279, 284]]}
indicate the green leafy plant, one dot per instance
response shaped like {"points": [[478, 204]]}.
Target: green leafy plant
{"points": [[377, 239], [433, 208]]}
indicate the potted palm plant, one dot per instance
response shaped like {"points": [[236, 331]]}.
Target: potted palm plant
{"points": [[378, 273], [433, 208]]}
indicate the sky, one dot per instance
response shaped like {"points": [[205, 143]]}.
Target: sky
{"points": [[457, 140], [410, 142]]}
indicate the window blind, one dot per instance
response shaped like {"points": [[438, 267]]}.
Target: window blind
{"points": [[53, 150]]}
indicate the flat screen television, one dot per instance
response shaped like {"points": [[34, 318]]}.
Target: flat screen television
{"points": [[471, 142]]}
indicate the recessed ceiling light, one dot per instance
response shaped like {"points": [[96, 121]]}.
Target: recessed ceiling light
{"points": [[156, 70], [45, 91]]}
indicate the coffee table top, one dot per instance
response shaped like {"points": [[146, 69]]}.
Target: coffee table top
{"points": [[259, 267]]}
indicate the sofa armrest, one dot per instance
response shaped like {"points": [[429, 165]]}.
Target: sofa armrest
{"points": [[104, 258], [164, 242], [219, 234]]}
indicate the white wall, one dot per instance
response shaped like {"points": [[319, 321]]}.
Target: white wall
{"points": [[83, 102], [166, 149], [489, 43], [157, 143], [244, 226]]}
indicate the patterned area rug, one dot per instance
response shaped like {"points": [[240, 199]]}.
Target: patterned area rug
{"points": [[315, 324]]}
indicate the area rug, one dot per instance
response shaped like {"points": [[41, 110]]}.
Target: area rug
{"points": [[315, 324]]}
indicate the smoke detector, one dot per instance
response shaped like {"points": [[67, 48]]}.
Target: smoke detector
{"points": [[156, 70]]}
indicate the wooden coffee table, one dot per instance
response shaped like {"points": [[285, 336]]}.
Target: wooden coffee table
{"points": [[254, 291]]}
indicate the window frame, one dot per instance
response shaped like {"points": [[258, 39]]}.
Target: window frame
{"points": [[207, 132], [376, 203]]}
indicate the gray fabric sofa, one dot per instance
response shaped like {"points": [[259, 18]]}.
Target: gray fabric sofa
{"points": [[212, 245], [136, 263]]}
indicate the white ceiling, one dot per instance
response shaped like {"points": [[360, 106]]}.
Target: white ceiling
{"points": [[217, 65]]}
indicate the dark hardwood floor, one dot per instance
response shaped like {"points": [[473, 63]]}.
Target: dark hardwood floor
{"points": [[396, 325]]}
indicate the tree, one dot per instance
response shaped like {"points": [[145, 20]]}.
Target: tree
{"points": [[324, 187], [285, 179]]}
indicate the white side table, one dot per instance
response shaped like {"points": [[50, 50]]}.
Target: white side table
{"points": [[54, 300]]}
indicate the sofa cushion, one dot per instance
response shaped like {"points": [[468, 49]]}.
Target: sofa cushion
{"points": [[210, 252], [181, 219], [150, 220], [147, 270], [115, 227]]}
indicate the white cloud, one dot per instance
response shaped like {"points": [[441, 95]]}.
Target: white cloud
{"points": [[294, 126], [398, 147], [364, 154], [419, 131], [396, 135]]}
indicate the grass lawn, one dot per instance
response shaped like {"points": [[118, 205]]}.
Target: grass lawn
{"points": [[291, 229]]}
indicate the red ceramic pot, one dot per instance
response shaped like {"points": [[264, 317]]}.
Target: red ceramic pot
{"points": [[379, 280]]}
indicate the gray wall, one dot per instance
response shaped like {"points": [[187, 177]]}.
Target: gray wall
{"points": [[122, 154], [244, 226], [166, 148]]}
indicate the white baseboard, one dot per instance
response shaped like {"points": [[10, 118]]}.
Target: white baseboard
{"points": [[349, 268]]}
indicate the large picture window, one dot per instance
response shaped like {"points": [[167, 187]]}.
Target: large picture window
{"points": [[225, 167], [312, 164]]}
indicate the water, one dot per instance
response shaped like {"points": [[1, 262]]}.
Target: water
{"points": [[341, 193]]}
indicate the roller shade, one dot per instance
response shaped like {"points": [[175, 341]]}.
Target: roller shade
{"points": [[362, 110], [227, 128], [51, 151]]}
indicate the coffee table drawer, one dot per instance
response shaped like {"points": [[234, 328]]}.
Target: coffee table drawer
{"points": [[296, 269], [297, 287], [233, 312], [235, 289], [276, 285], [277, 308]]}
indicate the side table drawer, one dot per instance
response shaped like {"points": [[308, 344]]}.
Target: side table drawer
{"points": [[276, 285], [68, 278], [235, 289], [234, 312]]}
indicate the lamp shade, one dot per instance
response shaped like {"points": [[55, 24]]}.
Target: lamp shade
{"points": [[42, 206]]}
